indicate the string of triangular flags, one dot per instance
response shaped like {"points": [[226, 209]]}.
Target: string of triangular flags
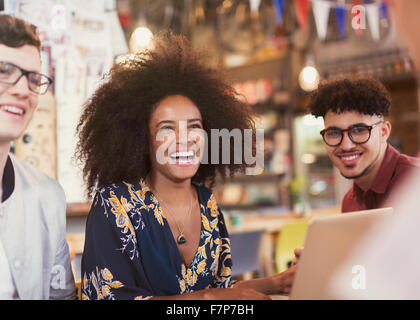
{"points": [[361, 10]]}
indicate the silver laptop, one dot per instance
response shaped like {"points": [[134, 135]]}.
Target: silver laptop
{"points": [[328, 242]]}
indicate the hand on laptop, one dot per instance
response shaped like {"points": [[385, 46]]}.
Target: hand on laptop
{"points": [[298, 252], [272, 285], [232, 294], [282, 283], [287, 278]]}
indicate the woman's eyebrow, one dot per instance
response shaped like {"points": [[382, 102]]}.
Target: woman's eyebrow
{"points": [[165, 121], [173, 121], [193, 120]]}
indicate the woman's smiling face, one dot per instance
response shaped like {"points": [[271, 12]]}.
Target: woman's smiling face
{"points": [[176, 138]]}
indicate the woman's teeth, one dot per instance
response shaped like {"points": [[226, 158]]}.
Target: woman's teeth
{"points": [[183, 155]]}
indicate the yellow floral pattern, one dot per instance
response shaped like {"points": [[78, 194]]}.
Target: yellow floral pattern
{"points": [[128, 237], [208, 244], [102, 282]]}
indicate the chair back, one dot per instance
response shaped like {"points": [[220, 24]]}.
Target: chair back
{"points": [[292, 236], [245, 248]]}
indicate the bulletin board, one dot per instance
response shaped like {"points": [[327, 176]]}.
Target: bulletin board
{"points": [[77, 51]]}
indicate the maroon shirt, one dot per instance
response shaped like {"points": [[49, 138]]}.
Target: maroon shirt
{"points": [[391, 174]]}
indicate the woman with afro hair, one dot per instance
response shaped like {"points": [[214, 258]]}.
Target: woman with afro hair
{"points": [[154, 230]]}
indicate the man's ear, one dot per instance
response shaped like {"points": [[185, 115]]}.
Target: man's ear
{"points": [[386, 130]]}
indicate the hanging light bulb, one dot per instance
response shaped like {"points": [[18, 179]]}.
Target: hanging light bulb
{"points": [[141, 39], [309, 76]]}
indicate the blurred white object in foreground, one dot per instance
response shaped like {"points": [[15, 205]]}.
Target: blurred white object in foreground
{"points": [[390, 253]]}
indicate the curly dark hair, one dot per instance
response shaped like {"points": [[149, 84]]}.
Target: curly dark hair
{"points": [[113, 130], [364, 95], [16, 33]]}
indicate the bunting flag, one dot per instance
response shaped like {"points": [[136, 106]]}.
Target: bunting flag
{"points": [[341, 14], [372, 11], [321, 10], [302, 11], [279, 6], [358, 18], [383, 10], [376, 13], [254, 5]]}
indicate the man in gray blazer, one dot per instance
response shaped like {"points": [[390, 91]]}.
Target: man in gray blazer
{"points": [[34, 255]]}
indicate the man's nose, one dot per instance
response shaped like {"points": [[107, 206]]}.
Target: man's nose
{"points": [[347, 143]]}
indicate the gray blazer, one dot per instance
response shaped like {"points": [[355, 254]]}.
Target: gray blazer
{"points": [[33, 233]]}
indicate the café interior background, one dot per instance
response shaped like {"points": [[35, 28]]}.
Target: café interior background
{"points": [[275, 53]]}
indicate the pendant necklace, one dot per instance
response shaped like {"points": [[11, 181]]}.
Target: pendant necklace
{"points": [[181, 238]]}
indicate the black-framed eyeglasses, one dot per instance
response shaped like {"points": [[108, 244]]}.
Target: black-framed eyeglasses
{"points": [[358, 133], [11, 74]]}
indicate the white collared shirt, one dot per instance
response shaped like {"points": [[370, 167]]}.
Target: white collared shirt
{"points": [[8, 289]]}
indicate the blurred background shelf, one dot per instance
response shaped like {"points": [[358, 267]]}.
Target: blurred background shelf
{"points": [[78, 209]]}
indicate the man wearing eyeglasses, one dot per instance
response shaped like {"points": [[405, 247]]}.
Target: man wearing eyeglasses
{"points": [[34, 256], [355, 137]]}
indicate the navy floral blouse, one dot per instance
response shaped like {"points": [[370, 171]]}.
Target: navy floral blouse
{"points": [[130, 252]]}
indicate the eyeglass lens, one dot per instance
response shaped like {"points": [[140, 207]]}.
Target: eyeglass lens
{"points": [[358, 134], [11, 74]]}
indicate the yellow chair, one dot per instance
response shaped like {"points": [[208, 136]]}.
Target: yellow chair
{"points": [[76, 242], [245, 248], [79, 290], [292, 236]]}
